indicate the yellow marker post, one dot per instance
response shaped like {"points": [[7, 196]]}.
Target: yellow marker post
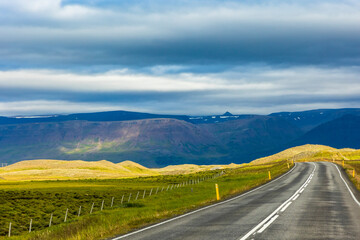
{"points": [[288, 165], [353, 172], [269, 175], [343, 163], [217, 192]]}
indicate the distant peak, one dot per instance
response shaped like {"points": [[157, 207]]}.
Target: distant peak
{"points": [[227, 114]]}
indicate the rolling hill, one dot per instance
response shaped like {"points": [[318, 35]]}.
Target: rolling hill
{"points": [[59, 169], [45, 169], [311, 152]]}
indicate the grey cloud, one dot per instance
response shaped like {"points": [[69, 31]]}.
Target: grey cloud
{"points": [[230, 34], [184, 57], [250, 89]]}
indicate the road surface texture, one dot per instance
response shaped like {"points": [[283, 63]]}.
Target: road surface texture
{"points": [[313, 201]]}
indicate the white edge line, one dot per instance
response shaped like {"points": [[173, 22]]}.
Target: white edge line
{"points": [[201, 209], [274, 212], [286, 206], [268, 223], [352, 194]]}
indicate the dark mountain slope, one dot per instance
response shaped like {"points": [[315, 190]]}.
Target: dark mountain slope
{"points": [[343, 132], [308, 120], [150, 142], [254, 136]]}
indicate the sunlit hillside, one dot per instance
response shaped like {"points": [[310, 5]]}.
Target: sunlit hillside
{"points": [[310, 152], [45, 169], [60, 169]]}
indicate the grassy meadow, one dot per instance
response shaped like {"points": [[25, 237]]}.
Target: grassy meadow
{"points": [[37, 200], [350, 166]]}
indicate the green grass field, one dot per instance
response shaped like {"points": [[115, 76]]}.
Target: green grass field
{"points": [[349, 166], [37, 200]]}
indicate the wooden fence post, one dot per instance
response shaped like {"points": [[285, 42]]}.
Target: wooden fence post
{"points": [[66, 213], [102, 205], [9, 230], [92, 208], [51, 216]]}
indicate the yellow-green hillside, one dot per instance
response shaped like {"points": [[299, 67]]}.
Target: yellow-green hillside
{"points": [[47, 169], [310, 152]]}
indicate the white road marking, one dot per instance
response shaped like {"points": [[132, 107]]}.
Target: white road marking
{"points": [[302, 190], [352, 194], [296, 197], [268, 223], [201, 209], [276, 210], [286, 206]]}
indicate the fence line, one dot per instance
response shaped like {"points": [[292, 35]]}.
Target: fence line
{"points": [[103, 205]]}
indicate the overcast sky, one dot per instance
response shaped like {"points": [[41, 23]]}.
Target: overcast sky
{"points": [[180, 56]]}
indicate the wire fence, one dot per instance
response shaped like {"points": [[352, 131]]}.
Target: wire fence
{"points": [[71, 213]]}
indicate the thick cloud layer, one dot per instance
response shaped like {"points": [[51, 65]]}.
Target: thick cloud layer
{"points": [[49, 33], [190, 57], [244, 90]]}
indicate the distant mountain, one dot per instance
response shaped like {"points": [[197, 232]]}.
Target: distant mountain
{"points": [[155, 140], [308, 120], [228, 114], [343, 132], [150, 142], [305, 120], [117, 116], [98, 117]]}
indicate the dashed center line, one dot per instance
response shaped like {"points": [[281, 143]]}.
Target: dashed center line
{"points": [[268, 223], [274, 215], [286, 206], [296, 197]]}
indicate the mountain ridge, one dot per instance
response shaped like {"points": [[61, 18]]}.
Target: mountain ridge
{"points": [[150, 142], [158, 142]]}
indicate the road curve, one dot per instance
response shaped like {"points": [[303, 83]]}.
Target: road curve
{"points": [[313, 201]]}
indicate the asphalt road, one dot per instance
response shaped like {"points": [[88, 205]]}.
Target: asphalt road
{"points": [[313, 201]]}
